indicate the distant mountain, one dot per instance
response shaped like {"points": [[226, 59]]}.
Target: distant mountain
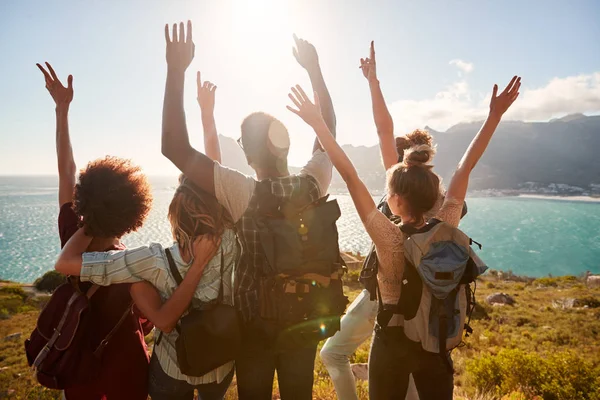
{"points": [[565, 150], [562, 151]]}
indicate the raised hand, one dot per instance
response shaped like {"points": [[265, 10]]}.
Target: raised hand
{"points": [[180, 47], [61, 95], [309, 112], [369, 66], [502, 102], [204, 249], [305, 53], [206, 94]]}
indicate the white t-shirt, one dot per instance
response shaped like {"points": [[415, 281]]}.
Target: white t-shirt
{"points": [[234, 190]]}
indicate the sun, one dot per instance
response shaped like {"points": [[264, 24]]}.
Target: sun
{"points": [[264, 23]]}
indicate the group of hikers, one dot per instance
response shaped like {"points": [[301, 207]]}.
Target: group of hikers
{"points": [[252, 282]]}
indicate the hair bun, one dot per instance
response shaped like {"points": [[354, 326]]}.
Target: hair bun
{"points": [[419, 155], [418, 137]]}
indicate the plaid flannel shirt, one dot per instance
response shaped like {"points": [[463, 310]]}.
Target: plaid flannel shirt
{"points": [[251, 266]]}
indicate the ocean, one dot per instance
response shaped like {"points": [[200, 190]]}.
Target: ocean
{"points": [[533, 237]]}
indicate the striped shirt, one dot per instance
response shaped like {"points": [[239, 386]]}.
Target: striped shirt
{"points": [[149, 263]]}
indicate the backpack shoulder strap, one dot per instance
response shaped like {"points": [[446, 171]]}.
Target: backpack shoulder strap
{"points": [[411, 230], [104, 342], [220, 296], [174, 271]]}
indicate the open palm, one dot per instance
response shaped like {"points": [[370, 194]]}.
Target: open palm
{"points": [[180, 47], [61, 95], [309, 112], [500, 103]]}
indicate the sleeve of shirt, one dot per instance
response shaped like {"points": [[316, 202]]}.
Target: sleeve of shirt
{"points": [[451, 211], [385, 234], [233, 190], [123, 266], [320, 168], [67, 223]]}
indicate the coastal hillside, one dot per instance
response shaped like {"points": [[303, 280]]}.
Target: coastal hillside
{"points": [[556, 157], [532, 339]]}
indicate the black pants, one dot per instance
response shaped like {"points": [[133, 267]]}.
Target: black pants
{"points": [[163, 387], [393, 358], [256, 365]]}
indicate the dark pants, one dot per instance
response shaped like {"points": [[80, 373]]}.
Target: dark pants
{"points": [[256, 365], [163, 387], [393, 358]]}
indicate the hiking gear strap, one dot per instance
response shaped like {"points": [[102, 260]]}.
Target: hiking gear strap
{"points": [[57, 332], [178, 279], [104, 342]]}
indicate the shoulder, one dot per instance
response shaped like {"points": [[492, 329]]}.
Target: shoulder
{"points": [[451, 211], [320, 168]]}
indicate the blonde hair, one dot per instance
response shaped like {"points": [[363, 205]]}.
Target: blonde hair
{"points": [[193, 213]]}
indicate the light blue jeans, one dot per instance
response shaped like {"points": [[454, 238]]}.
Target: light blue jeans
{"points": [[356, 327]]}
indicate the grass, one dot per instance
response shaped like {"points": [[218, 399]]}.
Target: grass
{"points": [[526, 351]]}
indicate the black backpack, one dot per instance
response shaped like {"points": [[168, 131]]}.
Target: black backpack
{"points": [[301, 288], [209, 334]]}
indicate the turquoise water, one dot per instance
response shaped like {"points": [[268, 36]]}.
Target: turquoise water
{"points": [[528, 236]]}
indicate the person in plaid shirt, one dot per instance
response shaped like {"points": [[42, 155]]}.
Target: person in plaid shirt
{"points": [[265, 142]]}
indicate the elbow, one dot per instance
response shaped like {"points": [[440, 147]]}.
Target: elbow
{"points": [[62, 267], [165, 327]]}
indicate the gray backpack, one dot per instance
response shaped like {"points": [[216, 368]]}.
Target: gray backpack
{"points": [[436, 297]]}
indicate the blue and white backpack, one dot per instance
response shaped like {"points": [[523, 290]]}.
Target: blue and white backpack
{"points": [[436, 296]]}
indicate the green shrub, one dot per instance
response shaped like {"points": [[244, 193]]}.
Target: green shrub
{"points": [[351, 278], [589, 301], [562, 375], [49, 281], [13, 290], [556, 281]]}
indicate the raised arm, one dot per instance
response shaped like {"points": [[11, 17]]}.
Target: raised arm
{"points": [[175, 141], [306, 55], [165, 316], [62, 97], [457, 189], [381, 115], [311, 114], [206, 101]]}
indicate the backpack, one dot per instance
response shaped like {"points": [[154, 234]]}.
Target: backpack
{"points": [[302, 286], [59, 350], [209, 334], [436, 296], [368, 272]]}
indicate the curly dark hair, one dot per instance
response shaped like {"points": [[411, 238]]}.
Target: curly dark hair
{"points": [[111, 198]]}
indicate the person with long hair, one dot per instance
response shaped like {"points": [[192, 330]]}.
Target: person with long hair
{"points": [[203, 236], [413, 190], [106, 215]]}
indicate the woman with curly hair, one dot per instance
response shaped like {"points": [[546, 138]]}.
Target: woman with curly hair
{"points": [[111, 198], [413, 190], [203, 238]]}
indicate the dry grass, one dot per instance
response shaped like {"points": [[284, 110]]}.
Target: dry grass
{"points": [[532, 325]]}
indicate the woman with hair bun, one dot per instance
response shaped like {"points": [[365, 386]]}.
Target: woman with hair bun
{"points": [[413, 190]]}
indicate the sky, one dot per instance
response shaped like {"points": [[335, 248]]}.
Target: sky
{"points": [[437, 62]]}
